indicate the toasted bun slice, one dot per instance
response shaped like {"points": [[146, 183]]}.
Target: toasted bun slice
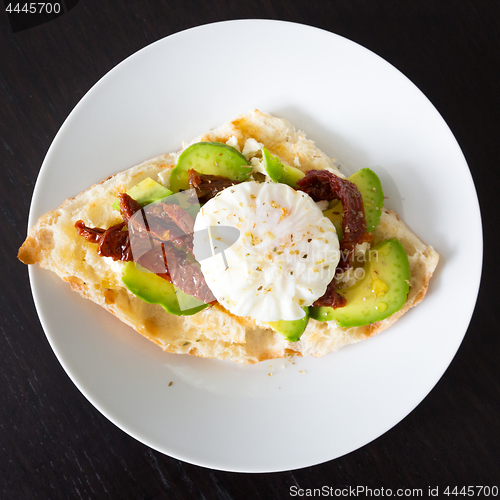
{"points": [[54, 244]]}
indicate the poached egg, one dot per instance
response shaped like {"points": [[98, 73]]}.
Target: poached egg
{"points": [[283, 258]]}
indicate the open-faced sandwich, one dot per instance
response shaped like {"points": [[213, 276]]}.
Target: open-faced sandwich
{"points": [[248, 244]]}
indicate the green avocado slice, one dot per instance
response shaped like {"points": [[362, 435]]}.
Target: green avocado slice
{"points": [[155, 290], [146, 192], [211, 158], [381, 292], [291, 330], [335, 216], [280, 172], [370, 187]]}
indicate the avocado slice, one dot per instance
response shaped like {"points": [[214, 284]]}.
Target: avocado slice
{"points": [[335, 216], [280, 172], [381, 292], [370, 187], [291, 330], [146, 192], [211, 158], [155, 290]]}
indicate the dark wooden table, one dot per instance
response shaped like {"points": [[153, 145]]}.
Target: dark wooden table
{"points": [[54, 443]]}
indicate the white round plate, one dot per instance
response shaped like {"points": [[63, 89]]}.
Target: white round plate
{"points": [[359, 109]]}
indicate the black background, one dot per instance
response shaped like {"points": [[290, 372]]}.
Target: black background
{"points": [[54, 444]]}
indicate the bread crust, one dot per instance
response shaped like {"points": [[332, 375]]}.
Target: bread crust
{"points": [[54, 244]]}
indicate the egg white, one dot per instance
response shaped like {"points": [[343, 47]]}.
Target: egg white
{"points": [[284, 257]]}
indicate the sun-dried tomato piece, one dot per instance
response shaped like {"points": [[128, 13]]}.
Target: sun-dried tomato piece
{"points": [[185, 272], [91, 234], [207, 186], [113, 242], [170, 257], [128, 206], [331, 297]]}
